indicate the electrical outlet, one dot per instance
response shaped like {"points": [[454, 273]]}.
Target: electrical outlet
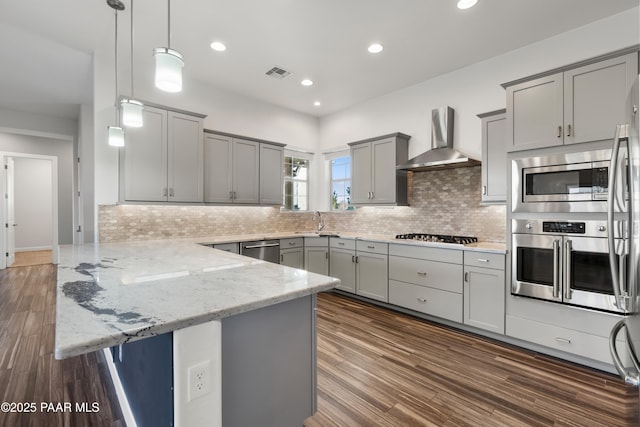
{"points": [[199, 380]]}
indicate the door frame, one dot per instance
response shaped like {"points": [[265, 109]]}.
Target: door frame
{"points": [[55, 249]]}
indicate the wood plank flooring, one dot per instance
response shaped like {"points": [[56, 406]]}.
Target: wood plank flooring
{"points": [[375, 368], [381, 368], [28, 371]]}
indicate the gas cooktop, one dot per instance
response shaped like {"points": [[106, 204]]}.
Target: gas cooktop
{"points": [[438, 238]]}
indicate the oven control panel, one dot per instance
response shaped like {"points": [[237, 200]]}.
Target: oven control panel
{"points": [[564, 227]]}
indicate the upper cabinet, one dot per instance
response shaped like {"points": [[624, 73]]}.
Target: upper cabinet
{"points": [[242, 171], [162, 161], [374, 177], [579, 103], [494, 156]]}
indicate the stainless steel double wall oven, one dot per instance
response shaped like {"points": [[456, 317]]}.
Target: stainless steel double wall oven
{"points": [[560, 232]]}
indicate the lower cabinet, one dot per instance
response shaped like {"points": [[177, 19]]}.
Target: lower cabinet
{"points": [[436, 302], [362, 267], [484, 291], [316, 255], [292, 252]]}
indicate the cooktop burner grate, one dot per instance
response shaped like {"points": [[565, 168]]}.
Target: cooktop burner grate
{"points": [[438, 238]]}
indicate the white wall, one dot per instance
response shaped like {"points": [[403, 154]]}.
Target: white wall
{"points": [[33, 199], [63, 150]]}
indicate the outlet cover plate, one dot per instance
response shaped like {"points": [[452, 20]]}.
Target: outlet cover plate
{"points": [[199, 380]]}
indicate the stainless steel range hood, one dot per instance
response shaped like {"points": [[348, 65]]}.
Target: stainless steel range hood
{"points": [[442, 154]]}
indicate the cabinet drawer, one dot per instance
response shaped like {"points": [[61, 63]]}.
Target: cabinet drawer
{"points": [[295, 242], [372, 247], [439, 275], [484, 260], [227, 247], [575, 342], [316, 241], [337, 242], [423, 252], [436, 302]]}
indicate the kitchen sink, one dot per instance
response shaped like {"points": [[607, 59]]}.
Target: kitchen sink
{"points": [[321, 234]]}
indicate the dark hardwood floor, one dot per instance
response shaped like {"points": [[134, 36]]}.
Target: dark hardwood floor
{"points": [[29, 374], [375, 368], [381, 368]]}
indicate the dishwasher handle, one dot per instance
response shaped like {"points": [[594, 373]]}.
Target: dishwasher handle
{"points": [[266, 245]]}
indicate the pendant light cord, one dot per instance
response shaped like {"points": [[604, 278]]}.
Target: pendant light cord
{"points": [[132, 96], [169, 24], [116, 71]]}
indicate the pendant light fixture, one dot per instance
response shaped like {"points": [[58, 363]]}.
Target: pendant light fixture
{"points": [[169, 62], [116, 133], [131, 108]]}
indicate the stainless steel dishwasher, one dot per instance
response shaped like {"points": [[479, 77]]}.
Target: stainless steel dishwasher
{"points": [[268, 250]]}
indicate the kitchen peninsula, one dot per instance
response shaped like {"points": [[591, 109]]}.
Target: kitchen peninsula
{"points": [[231, 333]]}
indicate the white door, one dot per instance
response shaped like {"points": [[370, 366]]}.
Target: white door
{"points": [[11, 217]]}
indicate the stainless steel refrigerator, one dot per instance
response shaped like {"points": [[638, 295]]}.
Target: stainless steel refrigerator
{"points": [[625, 269]]}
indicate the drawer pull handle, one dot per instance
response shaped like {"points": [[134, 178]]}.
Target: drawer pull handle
{"points": [[422, 273], [292, 243], [483, 260], [563, 340], [371, 247], [422, 300], [341, 243]]}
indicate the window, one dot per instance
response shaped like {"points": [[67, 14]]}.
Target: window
{"points": [[296, 183], [341, 183]]}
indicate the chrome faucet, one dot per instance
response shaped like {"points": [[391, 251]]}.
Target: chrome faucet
{"points": [[320, 221]]}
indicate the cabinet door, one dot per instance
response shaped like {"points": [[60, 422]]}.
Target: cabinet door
{"points": [[246, 171], [494, 158], [383, 165], [218, 156], [271, 174], [342, 265], [596, 98], [534, 113], [292, 258], [361, 173], [145, 158], [484, 298], [185, 160], [372, 278], [316, 260]]}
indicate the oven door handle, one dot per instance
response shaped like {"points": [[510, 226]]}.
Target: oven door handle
{"points": [[568, 248], [622, 131], [556, 268], [629, 376]]}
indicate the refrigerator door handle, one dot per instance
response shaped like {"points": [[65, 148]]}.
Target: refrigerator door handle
{"points": [[622, 131], [629, 376]]}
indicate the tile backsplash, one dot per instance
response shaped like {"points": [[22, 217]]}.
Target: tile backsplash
{"points": [[443, 202]]}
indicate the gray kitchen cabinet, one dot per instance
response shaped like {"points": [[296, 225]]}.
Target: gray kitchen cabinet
{"points": [[271, 174], [232, 247], [342, 263], [231, 169], [372, 270], [292, 252], [578, 103], [316, 255], [163, 160], [494, 156], [427, 280], [484, 291], [374, 177]]}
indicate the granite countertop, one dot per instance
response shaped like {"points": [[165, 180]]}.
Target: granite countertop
{"points": [[385, 238], [113, 293]]}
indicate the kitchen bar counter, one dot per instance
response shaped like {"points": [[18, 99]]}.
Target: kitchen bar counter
{"points": [[114, 293]]}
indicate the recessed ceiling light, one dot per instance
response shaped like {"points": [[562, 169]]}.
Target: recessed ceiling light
{"points": [[218, 46], [375, 48], [466, 4], [317, 103], [306, 82]]}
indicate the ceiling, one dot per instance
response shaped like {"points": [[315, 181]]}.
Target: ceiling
{"points": [[49, 44]]}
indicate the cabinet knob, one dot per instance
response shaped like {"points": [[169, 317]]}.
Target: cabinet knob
{"points": [[528, 226]]}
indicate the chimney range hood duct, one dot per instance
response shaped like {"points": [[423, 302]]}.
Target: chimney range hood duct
{"points": [[442, 155]]}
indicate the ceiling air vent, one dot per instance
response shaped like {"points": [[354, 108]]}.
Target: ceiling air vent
{"points": [[278, 73]]}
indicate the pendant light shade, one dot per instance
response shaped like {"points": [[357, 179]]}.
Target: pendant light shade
{"points": [[116, 136], [131, 109], [169, 65], [131, 113]]}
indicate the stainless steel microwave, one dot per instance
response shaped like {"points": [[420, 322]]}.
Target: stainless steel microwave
{"points": [[571, 182]]}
